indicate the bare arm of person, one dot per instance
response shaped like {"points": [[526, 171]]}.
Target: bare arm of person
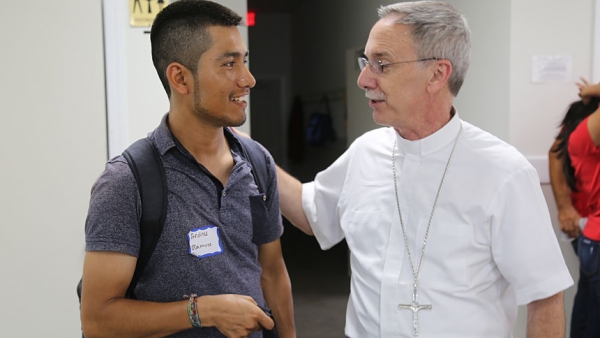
{"points": [[546, 317], [594, 127], [106, 313], [568, 217], [587, 90], [277, 287], [290, 200]]}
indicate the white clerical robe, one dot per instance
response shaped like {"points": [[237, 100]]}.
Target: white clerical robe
{"points": [[491, 246]]}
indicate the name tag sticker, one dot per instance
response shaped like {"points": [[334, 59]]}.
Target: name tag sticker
{"points": [[205, 241]]}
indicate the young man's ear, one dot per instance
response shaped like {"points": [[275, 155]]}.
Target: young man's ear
{"points": [[180, 78], [440, 76]]}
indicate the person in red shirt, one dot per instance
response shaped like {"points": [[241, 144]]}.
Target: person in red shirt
{"points": [[576, 149], [585, 159], [572, 205]]}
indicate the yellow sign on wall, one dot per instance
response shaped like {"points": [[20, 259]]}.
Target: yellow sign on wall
{"points": [[143, 12]]}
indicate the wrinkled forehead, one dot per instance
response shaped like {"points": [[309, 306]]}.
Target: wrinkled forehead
{"points": [[388, 39]]}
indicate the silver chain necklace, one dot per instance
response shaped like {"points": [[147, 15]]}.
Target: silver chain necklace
{"points": [[414, 306]]}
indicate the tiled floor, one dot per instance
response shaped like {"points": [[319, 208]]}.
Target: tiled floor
{"points": [[320, 316], [320, 285]]}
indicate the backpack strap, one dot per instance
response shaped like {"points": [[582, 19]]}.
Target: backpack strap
{"points": [[147, 168], [255, 155], [257, 159]]}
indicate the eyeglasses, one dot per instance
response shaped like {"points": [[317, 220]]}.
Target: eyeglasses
{"points": [[380, 66]]}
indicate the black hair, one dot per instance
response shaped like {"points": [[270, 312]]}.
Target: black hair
{"points": [[180, 33], [576, 113]]}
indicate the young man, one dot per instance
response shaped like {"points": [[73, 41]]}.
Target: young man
{"points": [[200, 58], [447, 225]]}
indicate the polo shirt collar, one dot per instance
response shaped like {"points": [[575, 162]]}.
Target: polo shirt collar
{"points": [[165, 140]]}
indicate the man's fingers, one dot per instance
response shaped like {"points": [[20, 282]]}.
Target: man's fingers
{"points": [[265, 321], [573, 231]]}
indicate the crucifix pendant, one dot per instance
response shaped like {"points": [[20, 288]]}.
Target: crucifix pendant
{"points": [[415, 307]]}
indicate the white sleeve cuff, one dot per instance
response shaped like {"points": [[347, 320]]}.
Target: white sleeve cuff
{"points": [[310, 210], [545, 289]]}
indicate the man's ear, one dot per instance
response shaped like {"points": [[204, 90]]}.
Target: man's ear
{"points": [[180, 78], [440, 76]]}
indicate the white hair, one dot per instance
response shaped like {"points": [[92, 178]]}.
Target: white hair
{"points": [[438, 31]]}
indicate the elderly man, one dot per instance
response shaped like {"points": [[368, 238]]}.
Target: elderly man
{"points": [[447, 226]]}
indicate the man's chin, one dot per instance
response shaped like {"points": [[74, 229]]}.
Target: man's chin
{"points": [[238, 122], [379, 119]]}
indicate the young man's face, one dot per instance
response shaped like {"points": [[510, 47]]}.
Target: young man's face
{"points": [[223, 81]]}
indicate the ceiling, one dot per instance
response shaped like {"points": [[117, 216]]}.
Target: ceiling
{"points": [[265, 6]]}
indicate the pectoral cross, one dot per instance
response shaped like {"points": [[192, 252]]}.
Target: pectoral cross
{"points": [[415, 307]]}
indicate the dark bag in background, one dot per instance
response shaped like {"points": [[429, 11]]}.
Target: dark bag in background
{"points": [[320, 125]]}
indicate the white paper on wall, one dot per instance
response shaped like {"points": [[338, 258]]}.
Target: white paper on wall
{"points": [[551, 68]]}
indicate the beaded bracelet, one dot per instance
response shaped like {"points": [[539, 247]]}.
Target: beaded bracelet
{"points": [[193, 310]]}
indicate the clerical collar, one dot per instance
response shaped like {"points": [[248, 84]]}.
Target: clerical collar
{"points": [[433, 142]]}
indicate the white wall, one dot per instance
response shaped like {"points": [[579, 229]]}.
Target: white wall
{"points": [[557, 27], [53, 146], [484, 98]]}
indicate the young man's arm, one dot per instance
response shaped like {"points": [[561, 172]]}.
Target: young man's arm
{"points": [[568, 217], [106, 313], [277, 288], [546, 317], [290, 200]]}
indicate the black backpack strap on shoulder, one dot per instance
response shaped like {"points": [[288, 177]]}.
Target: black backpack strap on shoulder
{"points": [[147, 167], [256, 156]]}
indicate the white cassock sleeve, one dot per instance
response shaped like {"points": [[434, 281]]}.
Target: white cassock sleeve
{"points": [[524, 244], [320, 201]]}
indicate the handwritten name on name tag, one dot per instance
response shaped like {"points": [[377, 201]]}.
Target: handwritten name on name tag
{"points": [[205, 241]]}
